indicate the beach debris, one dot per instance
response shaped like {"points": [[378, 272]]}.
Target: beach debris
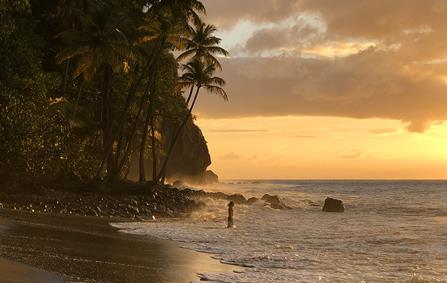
{"points": [[333, 205]]}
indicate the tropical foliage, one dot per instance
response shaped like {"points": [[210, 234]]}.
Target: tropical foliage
{"points": [[88, 85]]}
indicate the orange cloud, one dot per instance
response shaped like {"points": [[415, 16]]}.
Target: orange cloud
{"points": [[348, 58]]}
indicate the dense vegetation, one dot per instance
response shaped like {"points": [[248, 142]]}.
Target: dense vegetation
{"points": [[88, 84]]}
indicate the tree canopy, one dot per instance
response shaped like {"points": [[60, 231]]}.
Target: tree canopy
{"points": [[87, 85]]}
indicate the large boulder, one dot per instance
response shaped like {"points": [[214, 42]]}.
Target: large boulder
{"points": [[274, 202], [333, 205]]}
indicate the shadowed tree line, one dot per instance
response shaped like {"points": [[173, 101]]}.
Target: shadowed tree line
{"points": [[88, 84]]}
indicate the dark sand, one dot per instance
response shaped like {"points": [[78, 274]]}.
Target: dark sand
{"points": [[89, 250], [13, 272]]}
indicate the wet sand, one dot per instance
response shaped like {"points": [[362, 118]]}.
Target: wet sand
{"points": [[13, 272], [88, 249]]}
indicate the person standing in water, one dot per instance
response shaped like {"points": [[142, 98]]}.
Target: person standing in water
{"points": [[230, 215]]}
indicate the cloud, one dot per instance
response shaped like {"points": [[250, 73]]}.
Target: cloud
{"points": [[238, 130], [230, 156], [382, 131], [371, 84], [354, 155], [303, 136], [293, 35], [349, 58], [227, 13]]}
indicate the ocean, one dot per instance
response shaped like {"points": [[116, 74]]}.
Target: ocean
{"points": [[391, 231]]}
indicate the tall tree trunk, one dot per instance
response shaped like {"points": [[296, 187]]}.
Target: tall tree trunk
{"points": [[142, 178], [80, 87], [162, 174], [189, 96], [107, 122], [67, 70], [153, 144], [132, 91], [148, 67], [133, 131]]}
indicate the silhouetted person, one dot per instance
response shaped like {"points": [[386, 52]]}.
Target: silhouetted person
{"points": [[230, 215]]}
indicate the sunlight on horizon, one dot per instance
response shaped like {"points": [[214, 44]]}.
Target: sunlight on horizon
{"points": [[323, 148]]}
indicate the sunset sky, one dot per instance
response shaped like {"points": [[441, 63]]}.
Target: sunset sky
{"points": [[329, 89]]}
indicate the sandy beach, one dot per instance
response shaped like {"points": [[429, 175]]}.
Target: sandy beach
{"points": [[88, 249], [13, 272]]}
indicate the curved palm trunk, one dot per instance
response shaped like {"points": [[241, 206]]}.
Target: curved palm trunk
{"points": [[153, 148], [133, 131], [107, 124], [80, 87], [142, 177], [67, 69], [132, 91], [162, 176], [189, 96], [148, 67]]}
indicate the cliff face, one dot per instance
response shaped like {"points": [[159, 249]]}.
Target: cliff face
{"points": [[191, 157]]}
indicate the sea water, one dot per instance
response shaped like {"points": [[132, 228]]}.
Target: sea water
{"points": [[391, 231]]}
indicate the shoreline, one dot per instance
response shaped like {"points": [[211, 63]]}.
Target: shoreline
{"points": [[90, 249]]}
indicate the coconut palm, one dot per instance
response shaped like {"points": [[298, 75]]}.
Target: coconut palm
{"points": [[158, 34], [184, 10], [99, 49], [72, 15], [165, 27], [201, 74], [203, 44]]}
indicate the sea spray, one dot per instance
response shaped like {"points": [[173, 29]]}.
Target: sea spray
{"points": [[389, 233]]}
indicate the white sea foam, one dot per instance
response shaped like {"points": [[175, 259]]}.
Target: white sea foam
{"points": [[389, 233]]}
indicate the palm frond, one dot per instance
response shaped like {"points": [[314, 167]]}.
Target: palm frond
{"points": [[186, 54], [217, 90]]}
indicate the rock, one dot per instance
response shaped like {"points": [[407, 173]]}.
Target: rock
{"points": [[274, 202], [209, 177], [333, 205], [237, 198], [133, 209], [252, 200], [178, 184]]}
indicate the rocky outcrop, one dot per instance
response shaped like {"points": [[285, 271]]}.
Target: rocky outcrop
{"points": [[131, 201], [333, 205], [274, 202], [189, 160], [271, 201]]}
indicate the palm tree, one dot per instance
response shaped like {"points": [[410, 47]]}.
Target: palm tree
{"points": [[202, 74], [100, 48], [202, 44], [72, 15], [184, 10], [165, 27]]}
